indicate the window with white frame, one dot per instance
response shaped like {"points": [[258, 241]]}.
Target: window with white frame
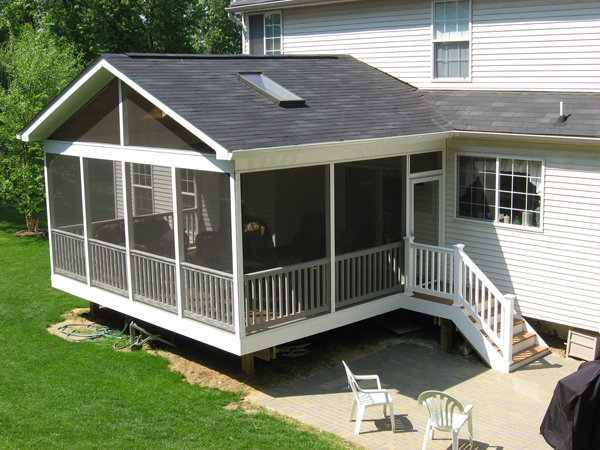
{"points": [[142, 189], [502, 190], [188, 189], [265, 34], [451, 39]]}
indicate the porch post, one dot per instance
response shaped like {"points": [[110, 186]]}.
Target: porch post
{"points": [[86, 215], [331, 217], [237, 255], [508, 327], [177, 235], [408, 264], [49, 207], [128, 224], [458, 273]]}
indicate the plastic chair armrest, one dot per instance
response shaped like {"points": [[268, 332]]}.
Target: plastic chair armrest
{"points": [[468, 409], [369, 377]]}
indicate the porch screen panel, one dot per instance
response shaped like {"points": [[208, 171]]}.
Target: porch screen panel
{"points": [[369, 200], [98, 121], [284, 217], [149, 126], [153, 214], [207, 223], [108, 261], [67, 216]]}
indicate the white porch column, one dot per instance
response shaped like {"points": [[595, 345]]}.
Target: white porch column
{"points": [[128, 224], [178, 240], [49, 206], [331, 220], [458, 273], [409, 269], [237, 255], [85, 215], [508, 326]]}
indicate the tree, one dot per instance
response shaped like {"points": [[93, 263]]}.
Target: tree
{"points": [[35, 68], [218, 33]]}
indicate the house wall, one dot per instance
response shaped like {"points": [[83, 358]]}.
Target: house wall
{"points": [[554, 271], [531, 45]]}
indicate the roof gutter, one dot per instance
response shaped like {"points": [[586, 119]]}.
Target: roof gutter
{"points": [[280, 4], [526, 137]]}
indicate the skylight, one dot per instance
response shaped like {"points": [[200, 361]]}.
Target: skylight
{"points": [[270, 89]]}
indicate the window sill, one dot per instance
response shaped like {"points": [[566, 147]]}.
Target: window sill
{"points": [[501, 225], [451, 80]]}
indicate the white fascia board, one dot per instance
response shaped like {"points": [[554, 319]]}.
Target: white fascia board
{"points": [[145, 155], [280, 4], [333, 152], [81, 91], [528, 137], [222, 152], [84, 89]]}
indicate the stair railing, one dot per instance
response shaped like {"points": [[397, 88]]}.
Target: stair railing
{"points": [[450, 273]]}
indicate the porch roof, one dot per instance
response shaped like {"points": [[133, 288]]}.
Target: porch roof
{"points": [[345, 98], [531, 113]]}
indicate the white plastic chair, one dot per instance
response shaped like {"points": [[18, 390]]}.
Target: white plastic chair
{"points": [[446, 414], [364, 398]]}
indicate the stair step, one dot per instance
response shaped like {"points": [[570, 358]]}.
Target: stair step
{"points": [[526, 356], [522, 336]]}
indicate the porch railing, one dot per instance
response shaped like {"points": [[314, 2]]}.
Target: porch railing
{"points": [[288, 293], [108, 266], [68, 251], [208, 296], [154, 280], [369, 273], [450, 273]]}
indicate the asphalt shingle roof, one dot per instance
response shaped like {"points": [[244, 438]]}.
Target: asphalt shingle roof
{"points": [[345, 98], [519, 112]]}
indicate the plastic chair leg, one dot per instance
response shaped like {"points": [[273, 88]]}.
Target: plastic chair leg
{"points": [[427, 432], [455, 440], [359, 418], [352, 410]]}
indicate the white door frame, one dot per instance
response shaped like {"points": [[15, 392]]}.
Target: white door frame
{"points": [[411, 207]]}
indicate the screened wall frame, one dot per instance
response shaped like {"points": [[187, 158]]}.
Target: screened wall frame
{"points": [[444, 41], [530, 191]]}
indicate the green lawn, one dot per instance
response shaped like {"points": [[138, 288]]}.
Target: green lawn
{"points": [[56, 394]]}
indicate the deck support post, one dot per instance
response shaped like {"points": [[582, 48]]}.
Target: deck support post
{"points": [[446, 331], [266, 354], [94, 309]]}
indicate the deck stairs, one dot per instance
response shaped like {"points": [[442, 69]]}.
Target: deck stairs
{"points": [[527, 345], [446, 283]]}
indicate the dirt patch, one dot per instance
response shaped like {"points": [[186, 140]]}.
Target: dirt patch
{"points": [[207, 366], [25, 233]]}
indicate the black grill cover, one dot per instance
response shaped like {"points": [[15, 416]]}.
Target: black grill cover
{"points": [[572, 421]]}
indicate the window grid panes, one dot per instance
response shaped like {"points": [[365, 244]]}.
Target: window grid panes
{"points": [[188, 189], [476, 187], [273, 34], [451, 39], [142, 189], [515, 183]]}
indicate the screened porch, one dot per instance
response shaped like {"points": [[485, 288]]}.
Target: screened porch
{"points": [[164, 237]]}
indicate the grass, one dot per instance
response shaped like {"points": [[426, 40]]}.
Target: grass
{"points": [[58, 394]]}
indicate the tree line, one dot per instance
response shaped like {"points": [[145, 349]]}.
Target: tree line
{"points": [[44, 44]]}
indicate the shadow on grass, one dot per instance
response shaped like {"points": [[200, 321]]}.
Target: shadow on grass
{"points": [[11, 220]]}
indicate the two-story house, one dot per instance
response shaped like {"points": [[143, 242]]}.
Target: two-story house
{"points": [[447, 166]]}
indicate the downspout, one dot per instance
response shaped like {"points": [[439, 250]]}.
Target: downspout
{"points": [[231, 17]]}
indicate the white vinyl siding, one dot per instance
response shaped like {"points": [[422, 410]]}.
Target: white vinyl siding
{"points": [[531, 45], [554, 272]]}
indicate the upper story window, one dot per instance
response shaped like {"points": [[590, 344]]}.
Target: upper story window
{"points": [[142, 189], [188, 189], [451, 39], [265, 34], [500, 190]]}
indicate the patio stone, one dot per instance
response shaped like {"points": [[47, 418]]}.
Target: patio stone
{"points": [[508, 408]]}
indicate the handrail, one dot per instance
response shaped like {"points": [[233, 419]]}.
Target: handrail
{"points": [[468, 287]]}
